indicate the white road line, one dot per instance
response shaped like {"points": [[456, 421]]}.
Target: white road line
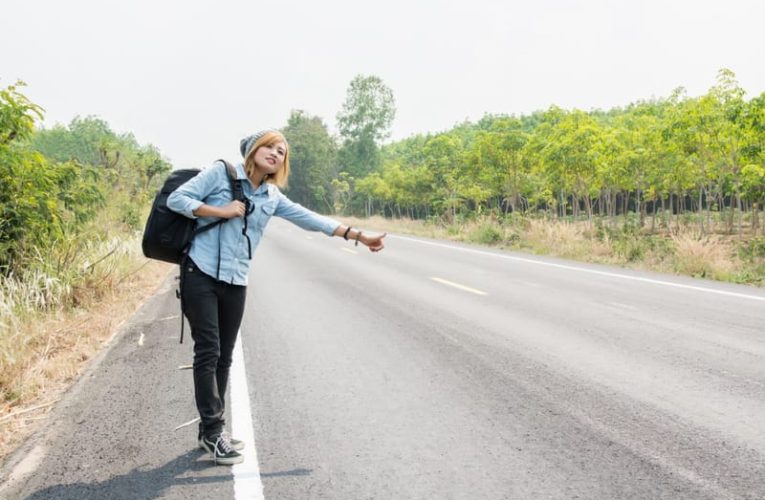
{"points": [[247, 484], [354, 252], [140, 340], [309, 237], [584, 270], [457, 285]]}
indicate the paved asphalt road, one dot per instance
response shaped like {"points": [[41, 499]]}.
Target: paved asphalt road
{"points": [[433, 371]]}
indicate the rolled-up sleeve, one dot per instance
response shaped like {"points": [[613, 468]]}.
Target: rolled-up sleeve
{"points": [[303, 217], [188, 197]]}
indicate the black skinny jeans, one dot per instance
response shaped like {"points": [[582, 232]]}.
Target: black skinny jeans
{"points": [[214, 310]]}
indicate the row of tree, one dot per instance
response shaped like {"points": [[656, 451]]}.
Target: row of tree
{"points": [[701, 155], [54, 181]]}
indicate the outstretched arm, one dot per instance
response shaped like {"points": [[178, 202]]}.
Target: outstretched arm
{"points": [[374, 242], [311, 221]]}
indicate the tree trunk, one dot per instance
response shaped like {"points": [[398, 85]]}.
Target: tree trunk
{"points": [[755, 218], [626, 203], [671, 211], [588, 206]]}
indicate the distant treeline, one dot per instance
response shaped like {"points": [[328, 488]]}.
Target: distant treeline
{"points": [[54, 182], [701, 155]]}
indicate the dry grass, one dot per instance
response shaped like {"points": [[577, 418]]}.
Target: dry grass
{"points": [[708, 256], [566, 240], [684, 251], [43, 353]]}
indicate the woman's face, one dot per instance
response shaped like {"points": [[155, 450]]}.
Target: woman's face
{"points": [[270, 159]]}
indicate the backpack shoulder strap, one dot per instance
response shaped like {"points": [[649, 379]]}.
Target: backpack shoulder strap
{"points": [[236, 183], [236, 187]]}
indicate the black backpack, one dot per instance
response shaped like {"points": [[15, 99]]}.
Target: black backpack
{"points": [[167, 235]]}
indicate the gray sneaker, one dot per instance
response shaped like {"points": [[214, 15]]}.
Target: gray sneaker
{"points": [[236, 445], [219, 447]]}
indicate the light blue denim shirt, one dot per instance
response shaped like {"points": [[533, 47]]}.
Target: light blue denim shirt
{"points": [[212, 187]]}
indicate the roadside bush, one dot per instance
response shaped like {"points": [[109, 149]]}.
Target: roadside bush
{"points": [[752, 249], [486, 233]]}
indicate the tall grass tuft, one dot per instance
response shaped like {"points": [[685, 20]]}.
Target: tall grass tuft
{"points": [[704, 256], [68, 275]]}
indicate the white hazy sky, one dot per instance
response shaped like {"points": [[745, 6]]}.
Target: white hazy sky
{"points": [[193, 77]]}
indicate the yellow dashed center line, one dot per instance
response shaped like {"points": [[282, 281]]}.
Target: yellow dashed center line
{"points": [[458, 286]]}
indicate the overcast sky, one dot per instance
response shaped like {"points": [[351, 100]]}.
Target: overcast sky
{"points": [[194, 77]]}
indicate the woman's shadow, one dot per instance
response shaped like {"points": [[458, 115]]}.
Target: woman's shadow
{"points": [[151, 483], [154, 483]]}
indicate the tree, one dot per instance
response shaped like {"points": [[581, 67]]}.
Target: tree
{"points": [[753, 189], [17, 115], [731, 137], [313, 154], [87, 140], [444, 154], [496, 157], [364, 122], [151, 166], [39, 198], [573, 152]]}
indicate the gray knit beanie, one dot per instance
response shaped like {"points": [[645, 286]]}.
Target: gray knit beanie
{"points": [[246, 144]]}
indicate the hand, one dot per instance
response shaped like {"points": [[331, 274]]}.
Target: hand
{"points": [[375, 243], [233, 209]]}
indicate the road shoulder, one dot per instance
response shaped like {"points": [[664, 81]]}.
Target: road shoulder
{"points": [[114, 431]]}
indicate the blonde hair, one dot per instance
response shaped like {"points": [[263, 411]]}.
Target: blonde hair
{"points": [[269, 139]]}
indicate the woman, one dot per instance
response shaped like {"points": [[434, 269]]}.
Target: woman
{"points": [[215, 273]]}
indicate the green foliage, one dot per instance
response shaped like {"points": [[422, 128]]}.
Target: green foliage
{"points": [[368, 110], [630, 244], [17, 115], [752, 183], [752, 253], [131, 216], [54, 182], [487, 234], [753, 249], [661, 158], [312, 161], [363, 122], [90, 141]]}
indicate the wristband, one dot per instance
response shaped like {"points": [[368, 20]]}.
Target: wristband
{"points": [[358, 235], [345, 235]]}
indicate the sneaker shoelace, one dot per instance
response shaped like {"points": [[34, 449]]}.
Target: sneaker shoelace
{"points": [[223, 444]]}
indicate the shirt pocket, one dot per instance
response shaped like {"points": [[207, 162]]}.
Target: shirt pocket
{"points": [[266, 212]]}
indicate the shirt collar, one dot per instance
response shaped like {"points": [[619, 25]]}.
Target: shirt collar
{"points": [[241, 174]]}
